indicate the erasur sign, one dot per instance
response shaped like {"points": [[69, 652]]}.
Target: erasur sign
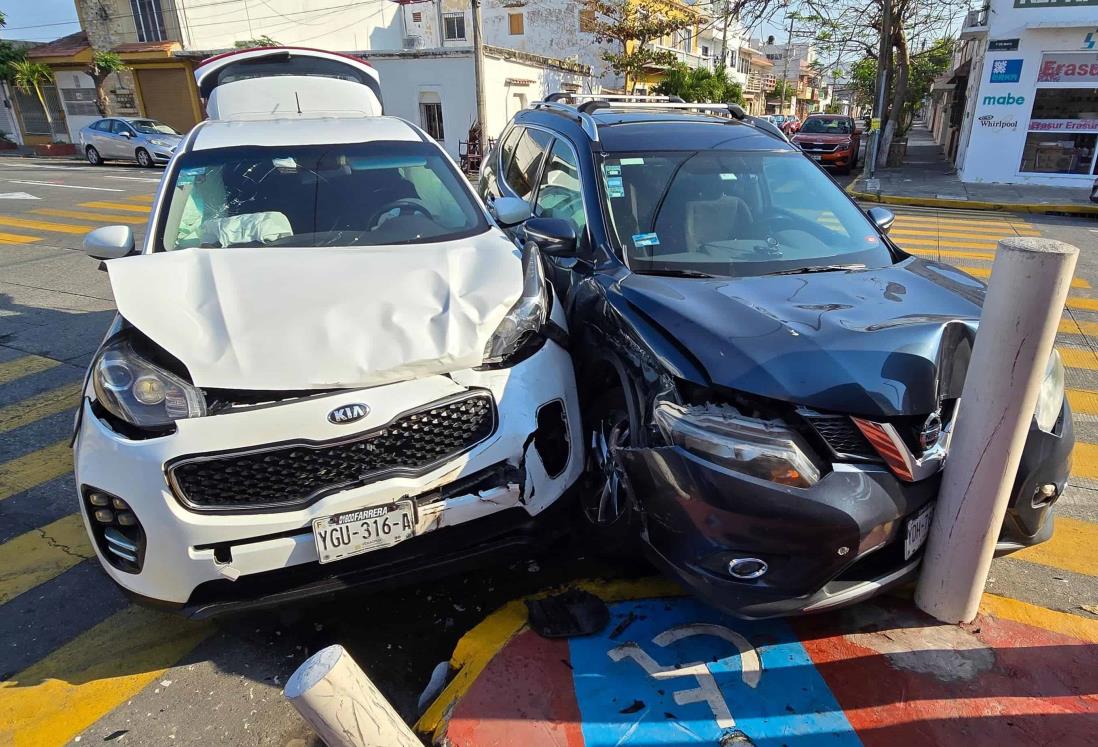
{"points": [[1068, 67], [1052, 3]]}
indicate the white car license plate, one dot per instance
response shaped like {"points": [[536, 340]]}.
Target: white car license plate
{"points": [[354, 532], [918, 528], [817, 158]]}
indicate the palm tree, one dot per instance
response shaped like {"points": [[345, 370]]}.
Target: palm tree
{"points": [[31, 76]]}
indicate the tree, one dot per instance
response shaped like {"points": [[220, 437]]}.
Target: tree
{"points": [[30, 77], [9, 54], [635, 27], [782, 89], [257, 43], [699, 84], [102, 66]]}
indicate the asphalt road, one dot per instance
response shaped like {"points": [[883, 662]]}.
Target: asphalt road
{"points": [[77, 660]]}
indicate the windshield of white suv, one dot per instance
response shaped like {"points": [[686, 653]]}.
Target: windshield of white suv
{"points": [[152, 127], [732, 214], [362, 194], [820, 126]]}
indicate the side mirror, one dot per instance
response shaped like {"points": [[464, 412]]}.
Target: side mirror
{"points": [[510, 211], [126, 133], [883, 218], [109, 242], [555, 237]]}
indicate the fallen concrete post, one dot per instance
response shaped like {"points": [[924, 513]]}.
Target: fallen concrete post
{"points": [[1029, 285], [338, 700]]}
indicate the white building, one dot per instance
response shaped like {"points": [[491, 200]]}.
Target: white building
{"points": [[1032, 110]]}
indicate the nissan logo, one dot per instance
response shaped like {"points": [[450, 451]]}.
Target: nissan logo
{"points": [[931, 431], [348, 413]]}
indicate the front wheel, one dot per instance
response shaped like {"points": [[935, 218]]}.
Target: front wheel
{"points": [[93, 156], [606, 506], [144, 159]]}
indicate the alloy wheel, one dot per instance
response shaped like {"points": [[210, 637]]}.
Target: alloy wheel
{"points": [[607, 502]]}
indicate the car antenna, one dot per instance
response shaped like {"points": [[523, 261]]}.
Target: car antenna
{"points": [[297, 98]]}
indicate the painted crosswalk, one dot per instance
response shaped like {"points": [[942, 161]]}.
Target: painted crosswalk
{"points": [[41, 225]]}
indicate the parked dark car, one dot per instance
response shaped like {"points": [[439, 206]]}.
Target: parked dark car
{"points": [[769, 382], [830, 140]]}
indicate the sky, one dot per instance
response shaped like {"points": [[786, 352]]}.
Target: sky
{"points": [[36, 13]]}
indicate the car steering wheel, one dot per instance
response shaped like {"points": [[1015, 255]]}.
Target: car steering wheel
{"points": [[404, 206]]}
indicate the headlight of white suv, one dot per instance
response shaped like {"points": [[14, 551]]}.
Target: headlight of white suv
{"points": [[765, 449], [1050, 400], [526, 317], [139, 392]]}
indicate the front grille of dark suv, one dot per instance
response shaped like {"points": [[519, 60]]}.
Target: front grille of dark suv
{"points": [[292, 475], [840, 433]]}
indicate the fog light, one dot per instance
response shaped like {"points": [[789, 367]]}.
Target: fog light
{"points": [[1045, 494], [104, 516], [747, 568], [127, 519], [98, 499], [120, 504]]}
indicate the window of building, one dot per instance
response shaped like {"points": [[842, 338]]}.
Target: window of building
{"points": [[705, 50], [149, 20], [79, 102], [417, 17], [515, 24], [1063, 132], [453, 26], [587, 20], [430, 115], [32, 115]]}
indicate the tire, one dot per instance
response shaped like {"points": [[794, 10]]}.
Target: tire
{"points": [[608, 516], [93, 156], [144, 159]]}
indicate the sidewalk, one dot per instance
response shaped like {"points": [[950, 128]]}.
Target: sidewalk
{"points": [[927, 179], [667, 670]]}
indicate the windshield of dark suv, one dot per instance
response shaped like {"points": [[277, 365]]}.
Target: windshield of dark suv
{"points": [[733, 214], [360, 194], [820, 126]]}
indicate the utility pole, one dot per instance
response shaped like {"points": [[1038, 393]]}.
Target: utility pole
{"points": [[883, 56], [478, 77], [785, 72], [724, 34]]}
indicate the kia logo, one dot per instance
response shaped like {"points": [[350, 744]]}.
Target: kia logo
{"points": [[348, 413]]}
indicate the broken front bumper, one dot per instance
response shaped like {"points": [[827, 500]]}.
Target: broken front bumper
{"points": [[833, 544], [205, 558]]}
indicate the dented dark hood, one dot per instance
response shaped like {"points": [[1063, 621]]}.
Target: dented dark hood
{"points": [[877, 342]]}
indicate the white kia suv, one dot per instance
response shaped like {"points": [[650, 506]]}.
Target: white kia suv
{"points": [[329, 367]]}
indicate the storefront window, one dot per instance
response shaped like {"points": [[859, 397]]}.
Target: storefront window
{"points": [[1058, 153], [1063, 132]]}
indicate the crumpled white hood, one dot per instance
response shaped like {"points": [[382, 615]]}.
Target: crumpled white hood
{"points": [[318, 318]]}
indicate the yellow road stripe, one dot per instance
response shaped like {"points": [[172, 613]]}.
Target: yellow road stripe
{"points": [[24, 366], [115, 206], [34, 558], [1083, 402], [142, 198], [1063, 623], [1084, 461], [1070, 549], [989, 246], [42, 225], [925, 252], [34, 469], [985, 272], [1079, 358], [958, 234], [100, 218], [903, 220], [1087, 304], [1069, 326], [39, 406], [56, 698], [17, 238]]}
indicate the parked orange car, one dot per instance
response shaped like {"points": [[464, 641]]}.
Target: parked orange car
{"points": [[831, 139]]}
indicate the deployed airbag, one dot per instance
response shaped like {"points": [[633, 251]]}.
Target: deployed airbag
{"points": [[320, 318], [252, 228]]}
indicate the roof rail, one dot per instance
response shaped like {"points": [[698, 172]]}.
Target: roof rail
{"points": [[553, 103]]}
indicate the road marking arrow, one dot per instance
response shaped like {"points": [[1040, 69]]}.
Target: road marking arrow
{"points": [[17, 196]]}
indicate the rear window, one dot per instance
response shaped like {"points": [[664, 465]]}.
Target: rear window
{"points": [[363, 194]]}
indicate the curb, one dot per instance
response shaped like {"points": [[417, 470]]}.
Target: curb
{"points": [[1009, 207]]}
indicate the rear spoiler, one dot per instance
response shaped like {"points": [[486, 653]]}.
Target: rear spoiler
{"points": [[278, 82]]}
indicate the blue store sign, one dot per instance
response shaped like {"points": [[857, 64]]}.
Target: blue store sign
{"points": [[1006, 71]]}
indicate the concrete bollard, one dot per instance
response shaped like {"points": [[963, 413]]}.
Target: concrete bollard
{"points": [[338, 700], [1029, 285]]}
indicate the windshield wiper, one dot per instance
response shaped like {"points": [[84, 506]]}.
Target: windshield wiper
{"points": [[675, 273], [818, 268]]}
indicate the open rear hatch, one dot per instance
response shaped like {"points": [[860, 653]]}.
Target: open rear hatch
{"points": [[281, 82]]}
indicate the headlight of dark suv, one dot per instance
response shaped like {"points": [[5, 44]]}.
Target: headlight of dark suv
{"points": [[764, 449], [138, 392]]}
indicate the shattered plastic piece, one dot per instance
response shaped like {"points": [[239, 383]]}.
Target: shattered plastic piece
{"points": [[434, 685], [635, 706], [568, 615]]}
